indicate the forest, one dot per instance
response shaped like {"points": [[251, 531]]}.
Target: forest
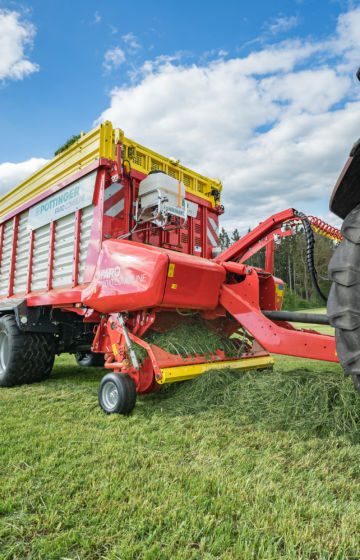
{"points": [[291, 267]]}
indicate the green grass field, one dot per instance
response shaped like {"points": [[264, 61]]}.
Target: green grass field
{"points": [[231, 466]]}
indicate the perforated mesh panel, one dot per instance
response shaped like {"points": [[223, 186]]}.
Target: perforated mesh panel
{"points": [[156, 165]]}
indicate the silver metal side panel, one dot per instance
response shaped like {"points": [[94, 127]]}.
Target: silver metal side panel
{"points": [[22, 254], [40, 258], [87, 215], [6, 257], [63, 251]]}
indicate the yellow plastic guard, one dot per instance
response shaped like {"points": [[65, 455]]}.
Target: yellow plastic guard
{"points": [[101, 143], [182, 373]]}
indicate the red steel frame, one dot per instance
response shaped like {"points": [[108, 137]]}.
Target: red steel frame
{"points": [[242, 300]]}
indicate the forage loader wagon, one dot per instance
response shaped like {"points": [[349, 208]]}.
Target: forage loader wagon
{"points": [[111, 246]]}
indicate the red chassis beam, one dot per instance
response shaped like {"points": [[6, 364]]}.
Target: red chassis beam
{"points": [[273, 337], [242, 299], [243, 247]]}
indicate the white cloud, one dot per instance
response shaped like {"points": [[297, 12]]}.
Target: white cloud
{"points": [[308, 90], [275, 126], [113, 58], [131, 41], [282, 24], [97, 18], [347, 40], [16, 38], [11, 174]]}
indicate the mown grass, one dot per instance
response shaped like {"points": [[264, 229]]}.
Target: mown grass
{"points": [[231, 466]]}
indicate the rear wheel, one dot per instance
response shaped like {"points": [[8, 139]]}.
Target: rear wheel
{"points": [[344, 298], [117, 394], [89, 359], [24, 357]]}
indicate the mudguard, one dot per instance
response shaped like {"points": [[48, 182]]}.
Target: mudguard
{"points": [[346, 193]]}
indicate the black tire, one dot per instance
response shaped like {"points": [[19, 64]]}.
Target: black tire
{"points": [[89, 359], [24, 357], [344, 298], [117, 394]]}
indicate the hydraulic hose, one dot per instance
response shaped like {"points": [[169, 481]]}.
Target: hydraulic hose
{"points": [[310, 243]]}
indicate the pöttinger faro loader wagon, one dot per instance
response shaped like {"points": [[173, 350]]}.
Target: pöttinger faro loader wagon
{"points": [[109, 246]]}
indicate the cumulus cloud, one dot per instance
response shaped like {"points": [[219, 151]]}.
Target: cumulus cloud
{"points": [[347, 40], [11, 174], [113, 58], [16, 39], [275, 125]]}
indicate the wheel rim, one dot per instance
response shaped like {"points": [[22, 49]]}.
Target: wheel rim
{"points": [[4, 351], [110, 395]]}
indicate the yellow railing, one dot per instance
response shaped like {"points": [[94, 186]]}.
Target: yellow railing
{"points": [[100, 143], [144, 160]]}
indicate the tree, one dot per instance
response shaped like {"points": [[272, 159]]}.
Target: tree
{"points": [[224, 239], [235, 236], [67, 144]]}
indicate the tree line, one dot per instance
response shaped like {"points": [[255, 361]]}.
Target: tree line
{"points": [[290, 265]]}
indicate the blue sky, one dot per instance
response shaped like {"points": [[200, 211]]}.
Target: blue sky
{"points": [[162, 70]]}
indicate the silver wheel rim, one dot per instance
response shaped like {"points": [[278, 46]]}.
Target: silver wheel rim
{"points": [[4, 351], [110, 395]]}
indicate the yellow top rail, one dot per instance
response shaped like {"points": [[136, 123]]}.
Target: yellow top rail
{"points": [[101, 143]]}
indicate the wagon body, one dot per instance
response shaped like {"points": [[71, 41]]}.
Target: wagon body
{"points": [[53, 225]]}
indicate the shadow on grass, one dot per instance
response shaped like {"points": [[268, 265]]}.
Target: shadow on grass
{"points": [[73, 372]]}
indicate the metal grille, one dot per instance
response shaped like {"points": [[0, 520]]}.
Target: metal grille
{"points": [[63, 251], [22, 254], [138, 158], [201, 186], [157, 165], [187, 181], [173, 173], [6, 257], [87, 215], [40, 258]]}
